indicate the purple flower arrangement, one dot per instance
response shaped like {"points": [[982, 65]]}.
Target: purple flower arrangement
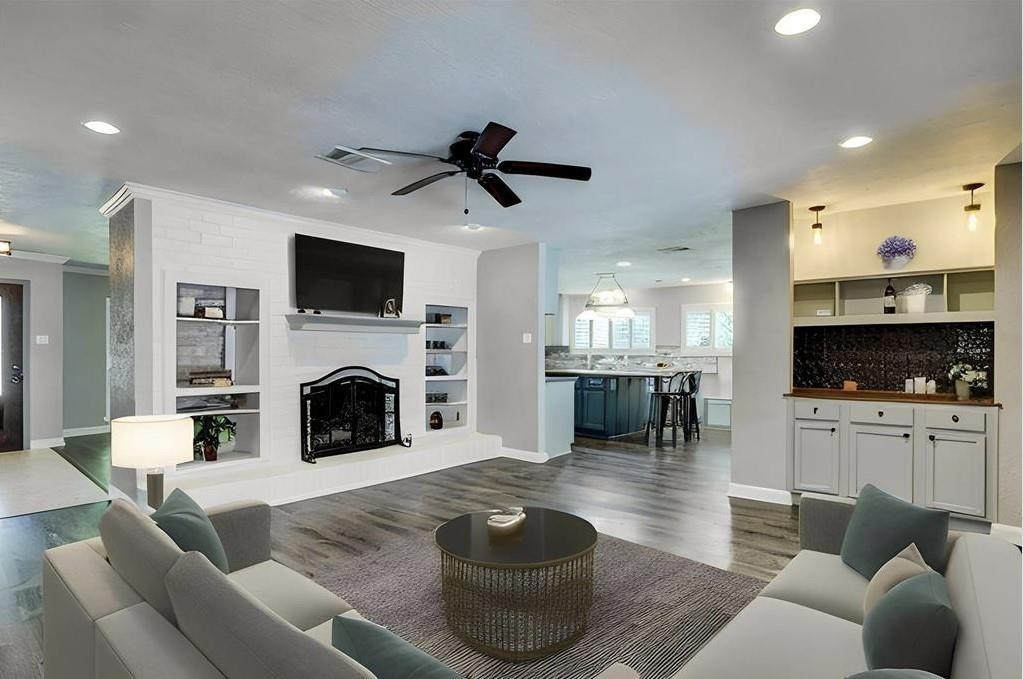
{"points": [[896, 246]]}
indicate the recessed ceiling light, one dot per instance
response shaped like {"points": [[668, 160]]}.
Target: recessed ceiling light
{"points": [[856, 142], [623, 263], [473, 227], [101, 127], [5, 247], [686, 280], [798, 21]]}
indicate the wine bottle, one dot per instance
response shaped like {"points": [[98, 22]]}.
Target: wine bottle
{"points": [[889, 298]]}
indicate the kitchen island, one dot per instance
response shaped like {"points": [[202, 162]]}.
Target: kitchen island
{"points": [[611, 403]]}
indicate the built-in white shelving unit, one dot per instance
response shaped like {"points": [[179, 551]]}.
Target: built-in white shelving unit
{"points": [[237, 343], [453, 358], [957, 296]]}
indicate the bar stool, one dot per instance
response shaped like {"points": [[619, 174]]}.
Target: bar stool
{"points": [[663, 401], [690, 412]]}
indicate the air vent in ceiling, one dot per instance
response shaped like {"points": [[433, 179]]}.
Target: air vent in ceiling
{"points": [[674, 248]]}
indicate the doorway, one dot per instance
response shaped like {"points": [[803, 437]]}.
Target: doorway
{"points": [[12, 347]]}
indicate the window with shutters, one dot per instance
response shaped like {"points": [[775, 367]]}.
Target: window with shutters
{"points": [[707, 329], [615, 335]]}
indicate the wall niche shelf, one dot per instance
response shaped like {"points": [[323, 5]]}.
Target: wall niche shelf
{"points": [[447, 347], [328, 323], [959, 296]]}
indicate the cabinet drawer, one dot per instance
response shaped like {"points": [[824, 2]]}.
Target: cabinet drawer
{"points": [[816, 410], [881, 413], [962, 420]]}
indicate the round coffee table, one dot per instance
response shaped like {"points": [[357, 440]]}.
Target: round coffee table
{"points": [[521, 596]]}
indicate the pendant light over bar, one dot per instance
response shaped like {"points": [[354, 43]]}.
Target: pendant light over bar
{"points": [[817, 227], [607, 300], [973, 208]]}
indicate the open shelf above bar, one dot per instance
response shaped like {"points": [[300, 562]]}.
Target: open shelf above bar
{"points": [[889, 319]]}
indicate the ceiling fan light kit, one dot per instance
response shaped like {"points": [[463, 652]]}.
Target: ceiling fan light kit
{"points": [[474, 154]]}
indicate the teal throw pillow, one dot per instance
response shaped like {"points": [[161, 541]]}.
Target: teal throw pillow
{"points": [[383, 653], [188, 526]]}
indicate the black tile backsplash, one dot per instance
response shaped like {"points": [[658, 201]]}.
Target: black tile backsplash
{"points": [[881, 357]]}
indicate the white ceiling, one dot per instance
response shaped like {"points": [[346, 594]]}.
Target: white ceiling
{"points": [[685, 110]]}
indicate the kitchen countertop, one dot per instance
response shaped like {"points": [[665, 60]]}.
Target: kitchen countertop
{"points": [[899, 396], [609, 372]]}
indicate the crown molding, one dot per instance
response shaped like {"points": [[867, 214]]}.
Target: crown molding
{"points": [[132, 190], [39, 257]]}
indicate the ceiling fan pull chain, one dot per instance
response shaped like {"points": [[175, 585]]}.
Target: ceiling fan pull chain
{"points": [[466, 203]]}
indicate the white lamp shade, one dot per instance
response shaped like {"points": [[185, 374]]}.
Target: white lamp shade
{"points": [[149, 441]]}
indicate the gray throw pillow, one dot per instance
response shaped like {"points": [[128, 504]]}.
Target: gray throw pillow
{"points": [[882, 525], [384, 653], [187, 524], [140, 552], [913, 626], [240, 635], [893, 674]]}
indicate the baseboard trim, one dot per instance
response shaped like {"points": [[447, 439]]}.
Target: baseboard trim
{"points": [[45, 443], [1013, 534], [86, 431], [760, 494], [524, 455]]}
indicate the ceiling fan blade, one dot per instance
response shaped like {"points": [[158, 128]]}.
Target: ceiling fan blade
{"points": [[501, 192], [409, 154], [492, 139], [577, 172], [415, 186]]}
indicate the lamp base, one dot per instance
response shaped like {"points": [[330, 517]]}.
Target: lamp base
{"points": [[154, 489]]}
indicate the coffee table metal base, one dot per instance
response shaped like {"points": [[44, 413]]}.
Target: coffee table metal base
{"points": [[519, 612]]}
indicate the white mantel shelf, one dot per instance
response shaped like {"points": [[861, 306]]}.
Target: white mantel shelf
{"points": [[328, 323]]}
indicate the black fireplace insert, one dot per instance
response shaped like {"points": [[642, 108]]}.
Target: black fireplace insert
{"points": [[350, 409]]}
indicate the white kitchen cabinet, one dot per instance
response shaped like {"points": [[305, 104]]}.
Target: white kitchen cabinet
{"points": [[816, 456], [954, 471], [940, 455], [882, 456]]}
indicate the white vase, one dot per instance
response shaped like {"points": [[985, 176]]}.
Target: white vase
{"points": [[962, 390], [898, 262]]}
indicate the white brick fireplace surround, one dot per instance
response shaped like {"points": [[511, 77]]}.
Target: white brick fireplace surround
{"points": [[182, 237]]}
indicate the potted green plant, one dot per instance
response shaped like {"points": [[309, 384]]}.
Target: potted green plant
{"points": [[210, 432]]}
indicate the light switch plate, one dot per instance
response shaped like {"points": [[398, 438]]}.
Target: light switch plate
{"points": [[42, 339], [527, 338]]}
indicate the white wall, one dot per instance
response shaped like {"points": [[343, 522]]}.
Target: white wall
{"points": [[1008, 340], [510, 384], [193, 236], [43, 303], [762, 363], [850, 241], [667, 301]]}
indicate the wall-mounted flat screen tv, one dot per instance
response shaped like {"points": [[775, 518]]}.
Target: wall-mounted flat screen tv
{"points": [[333, 275]]}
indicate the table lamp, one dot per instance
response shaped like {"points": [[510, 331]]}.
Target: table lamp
{"points": [[151, 442]]}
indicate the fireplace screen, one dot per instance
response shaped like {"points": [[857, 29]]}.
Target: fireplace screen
{"points": [[350, 409]]}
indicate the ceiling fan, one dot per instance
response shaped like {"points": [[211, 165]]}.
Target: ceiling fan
{"points": [[475, 155]]}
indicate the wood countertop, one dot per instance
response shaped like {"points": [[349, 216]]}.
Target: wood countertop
{"points": [[897, 396]]}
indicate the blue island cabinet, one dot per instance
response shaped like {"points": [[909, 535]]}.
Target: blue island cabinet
{"points": [[610, 406]]}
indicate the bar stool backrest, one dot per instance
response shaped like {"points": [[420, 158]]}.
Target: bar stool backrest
{"points": [[676, 384], [691, 385]]}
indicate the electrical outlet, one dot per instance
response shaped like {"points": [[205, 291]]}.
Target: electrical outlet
{"points": [[527, 338], [42, 339]]}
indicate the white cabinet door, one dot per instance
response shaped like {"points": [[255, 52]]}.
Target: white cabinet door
{"points": [[882, 456], [816, 456], [955, 465]]}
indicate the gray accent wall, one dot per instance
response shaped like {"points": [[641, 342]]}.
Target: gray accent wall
{"points": [[43, 367], [1008, 339], [509, 373], [762, 353], [85, 298]]}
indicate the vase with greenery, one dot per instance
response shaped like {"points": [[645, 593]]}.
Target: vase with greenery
{"points": [[962, 376], [210, 432]]}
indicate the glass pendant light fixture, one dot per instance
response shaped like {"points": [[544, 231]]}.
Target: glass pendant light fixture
{"points": [[607, 300], [973, 208], [817, 227]]}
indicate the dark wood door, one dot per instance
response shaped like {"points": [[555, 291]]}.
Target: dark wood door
{"points": [[12, 410]]}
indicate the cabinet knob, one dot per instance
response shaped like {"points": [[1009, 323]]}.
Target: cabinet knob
{"points": [[931, 437], [880, 413], [832, 430], [815, 410], [905, 436], [955, 418]]}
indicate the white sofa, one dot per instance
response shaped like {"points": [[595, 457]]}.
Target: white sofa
{"points": [[807, 621]]}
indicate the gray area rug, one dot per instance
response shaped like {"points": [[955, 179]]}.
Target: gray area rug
{"points": [[651, 610]]}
